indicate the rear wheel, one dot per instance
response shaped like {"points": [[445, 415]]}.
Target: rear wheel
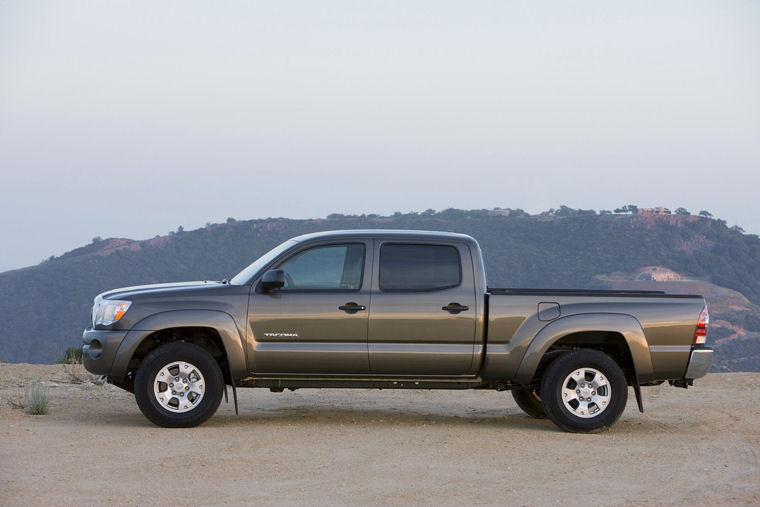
{"points": [[584, 391], [178, 385], [530, 402]]}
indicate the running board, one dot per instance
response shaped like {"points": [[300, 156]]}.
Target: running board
{"points": [[279, 383]]}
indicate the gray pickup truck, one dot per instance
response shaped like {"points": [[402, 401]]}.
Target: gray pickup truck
{"points": [[391, 310]]}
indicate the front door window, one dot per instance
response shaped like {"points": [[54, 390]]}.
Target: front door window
{"points": [[325, 268]]}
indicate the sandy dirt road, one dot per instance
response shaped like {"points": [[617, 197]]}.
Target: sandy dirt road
{"points": [[328, 447]]}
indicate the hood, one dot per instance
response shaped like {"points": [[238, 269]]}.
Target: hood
{"points": [[156, 288]]}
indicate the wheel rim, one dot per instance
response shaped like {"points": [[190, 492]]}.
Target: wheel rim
{"points": [[586, 393], [179, 386]]}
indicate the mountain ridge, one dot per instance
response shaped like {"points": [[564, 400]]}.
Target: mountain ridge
{"points": [[561, 248]]}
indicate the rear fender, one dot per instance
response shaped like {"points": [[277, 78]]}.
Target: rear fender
{"points": [[623, 324]]}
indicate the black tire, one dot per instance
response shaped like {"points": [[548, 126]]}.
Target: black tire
{"points": [[154, 364], [596, 413], [530, 402]]}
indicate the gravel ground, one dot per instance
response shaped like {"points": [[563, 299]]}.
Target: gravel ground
{"points": [[698, 446]]}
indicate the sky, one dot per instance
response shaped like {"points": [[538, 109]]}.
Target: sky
{"points": [[129, 119]]}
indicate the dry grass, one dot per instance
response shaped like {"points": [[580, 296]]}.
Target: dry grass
{"points": [[36, 398], [16, 402], [34, 401], [81, 377]]}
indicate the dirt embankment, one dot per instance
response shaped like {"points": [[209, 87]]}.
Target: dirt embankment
{"points": [[694, 447]]}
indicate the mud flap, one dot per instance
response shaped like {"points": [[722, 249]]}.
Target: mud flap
{"points": [[635, 381], [232, 384], [637, 389], [639, 400], [234, 392]]}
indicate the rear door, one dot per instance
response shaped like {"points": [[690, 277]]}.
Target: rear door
{"points": [[317, 322], [423, 315]]}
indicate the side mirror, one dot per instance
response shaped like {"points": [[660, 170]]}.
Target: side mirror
{"points": [[272, 279]]}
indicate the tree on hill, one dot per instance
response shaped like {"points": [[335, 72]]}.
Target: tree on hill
{"points": [[682, 211], [705, 214], [520, 250]]}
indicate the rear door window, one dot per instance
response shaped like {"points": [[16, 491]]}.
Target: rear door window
{"points": [[408, 267]]}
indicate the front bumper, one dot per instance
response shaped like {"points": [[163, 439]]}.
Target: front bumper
{"points": [[699, 362], [99, 349]]}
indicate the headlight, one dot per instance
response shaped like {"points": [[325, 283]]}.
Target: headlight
{"points": [[107, 311]]}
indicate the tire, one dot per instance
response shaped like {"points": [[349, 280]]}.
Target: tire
{"points": [[197, 394], [530, 402], [584, 391]]}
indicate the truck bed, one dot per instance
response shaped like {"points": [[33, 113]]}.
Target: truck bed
{"points": [[508, 291]]}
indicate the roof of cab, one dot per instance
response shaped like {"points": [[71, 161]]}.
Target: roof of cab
{"points": [[385, 233]]}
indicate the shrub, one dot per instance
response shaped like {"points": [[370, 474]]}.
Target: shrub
{"points": [[73, 355], [36, 398]]}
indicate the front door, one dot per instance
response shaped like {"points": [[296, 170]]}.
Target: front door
{"points": [[423, 315], [317, 322]]}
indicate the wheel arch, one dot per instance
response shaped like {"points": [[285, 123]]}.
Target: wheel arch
{"points": [[620, 335], [213, 330]]}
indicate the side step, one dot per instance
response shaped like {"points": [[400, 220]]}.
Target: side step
{"points": [[279, 383]]}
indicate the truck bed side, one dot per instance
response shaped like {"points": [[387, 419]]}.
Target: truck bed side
{"points": [[516, 318]]}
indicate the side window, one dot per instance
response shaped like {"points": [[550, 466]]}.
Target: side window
{"points": [[405, 267], [331, 267]]}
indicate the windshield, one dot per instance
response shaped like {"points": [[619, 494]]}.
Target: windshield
{"points": [[251, 271]]}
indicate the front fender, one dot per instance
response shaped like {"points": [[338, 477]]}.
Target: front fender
{"points": [[624, 324], [222, 322]]}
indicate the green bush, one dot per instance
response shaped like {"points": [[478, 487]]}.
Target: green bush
{"points": [[73, 355], [36, 398]]}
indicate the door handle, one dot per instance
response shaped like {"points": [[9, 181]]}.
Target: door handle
{"points": [[454, 308], [352, 307]]}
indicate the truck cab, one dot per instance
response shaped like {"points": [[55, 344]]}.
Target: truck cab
{"points": [[368, 304]]}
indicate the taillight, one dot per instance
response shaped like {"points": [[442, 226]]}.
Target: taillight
{"points": [[701, 332]]}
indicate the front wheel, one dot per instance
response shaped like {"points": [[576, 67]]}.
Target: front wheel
{"points": [[584, 391], [178, 385]]}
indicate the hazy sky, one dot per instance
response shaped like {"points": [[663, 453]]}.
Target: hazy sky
{"points": [[129, 119]]}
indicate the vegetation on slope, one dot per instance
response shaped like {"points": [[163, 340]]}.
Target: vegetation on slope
{"points": [[44, 308]]}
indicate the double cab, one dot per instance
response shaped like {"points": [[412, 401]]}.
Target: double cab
{"points": [[391, 309]]}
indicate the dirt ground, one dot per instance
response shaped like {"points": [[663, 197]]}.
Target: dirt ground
{"points": [[698, 447]]}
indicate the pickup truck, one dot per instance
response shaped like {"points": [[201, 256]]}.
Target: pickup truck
{"points": [[391, 310]]}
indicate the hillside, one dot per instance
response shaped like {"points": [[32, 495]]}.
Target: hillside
{"points": [[44, 308], [734, 320]]}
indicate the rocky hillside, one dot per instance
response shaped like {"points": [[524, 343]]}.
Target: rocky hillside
{"points": [[44, 308], [734, 320]]}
